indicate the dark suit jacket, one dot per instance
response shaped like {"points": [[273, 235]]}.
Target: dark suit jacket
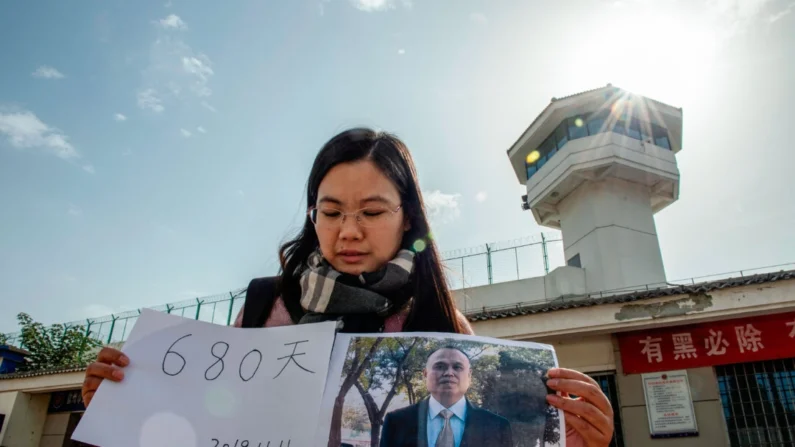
{"points": [[408, 427]]}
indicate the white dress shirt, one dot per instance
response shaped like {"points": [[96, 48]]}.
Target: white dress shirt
{"points": [[436, 421]]}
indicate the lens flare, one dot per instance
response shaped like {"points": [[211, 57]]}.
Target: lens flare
{"points": [[619, 107], [220, 402], [532, 157], [419, 245], [165, 429]]}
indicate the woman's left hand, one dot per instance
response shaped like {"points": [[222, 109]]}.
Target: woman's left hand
{"points": [[589, 417]]}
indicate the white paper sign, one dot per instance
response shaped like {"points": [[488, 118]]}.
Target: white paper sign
{"points": [[669, 404], [191, 383]]}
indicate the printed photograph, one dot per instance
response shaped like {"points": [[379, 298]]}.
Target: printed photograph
{"points": [[399, 391]]}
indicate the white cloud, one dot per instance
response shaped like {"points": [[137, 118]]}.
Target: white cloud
{"points": [[185, 133], [65, 277], [722, 18], [773, 18], [378, 5], [479, 18], [47, 72], [201, 129], [176, 72], [96, 310], [102, 310], [172, 22], [401, 51], [207, 106], [119, 117], [192, 293], [74, 211], [481, 196], [25, 130], [200, 68], [442, 208], [734, 16], [148, 99], [321, 6], [90, 169]]}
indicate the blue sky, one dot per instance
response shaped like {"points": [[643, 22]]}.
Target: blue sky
{"points": [[152, 152]]}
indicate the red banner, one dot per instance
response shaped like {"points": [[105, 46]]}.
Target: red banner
{"points": [[707, 344]]}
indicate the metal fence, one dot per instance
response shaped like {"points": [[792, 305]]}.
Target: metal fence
{"points": [[476, 266], [746, 274], [487, 264], [504, 261]]}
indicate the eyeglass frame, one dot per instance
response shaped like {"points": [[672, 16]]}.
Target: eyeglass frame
{"points": [[355, 213]]}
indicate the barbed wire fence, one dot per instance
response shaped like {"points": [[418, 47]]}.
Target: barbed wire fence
{"points": [[471, 267], [504, 261]]}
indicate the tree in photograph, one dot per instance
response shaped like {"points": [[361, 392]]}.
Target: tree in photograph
{"points": [[517, 393], [385, 374], [355, 418], [56, 346], [358, 358]]}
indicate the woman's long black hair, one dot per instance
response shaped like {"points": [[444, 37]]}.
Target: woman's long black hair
{"points": [[433, 309]]}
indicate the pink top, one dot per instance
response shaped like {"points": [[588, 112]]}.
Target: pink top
{"points": [[279, 316]]}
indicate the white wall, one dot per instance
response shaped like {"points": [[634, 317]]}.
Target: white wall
{"points": [[25, 423], [604, 203], [45, 383], [7, 400], [54, 430], [610, 224], [734, 302], [563, 281], [590, 354]]}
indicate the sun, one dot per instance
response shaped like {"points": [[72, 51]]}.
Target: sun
{"points": [[665, 55]]}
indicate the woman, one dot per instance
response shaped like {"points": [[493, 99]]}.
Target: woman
{"points": [[367, 234]]}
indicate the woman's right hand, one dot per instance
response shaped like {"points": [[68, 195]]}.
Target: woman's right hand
{"points": [[109, 365]]}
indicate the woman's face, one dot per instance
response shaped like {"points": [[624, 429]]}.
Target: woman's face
{"points": [[355, 246]]}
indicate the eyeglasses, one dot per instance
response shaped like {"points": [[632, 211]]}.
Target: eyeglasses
{"points": [[373, 216]]}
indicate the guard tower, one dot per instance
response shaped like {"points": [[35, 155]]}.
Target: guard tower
{"points": [[598, 165]]}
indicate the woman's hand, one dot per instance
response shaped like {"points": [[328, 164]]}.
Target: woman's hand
{"points": [[109, 365], [589, 417]]}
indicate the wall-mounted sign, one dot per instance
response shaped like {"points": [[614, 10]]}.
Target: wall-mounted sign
{"points": [[754, 339], [63, 401], [669, 404]]}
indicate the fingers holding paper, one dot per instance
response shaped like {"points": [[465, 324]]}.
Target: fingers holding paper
{"points": [[109, 365], [589, 417]]}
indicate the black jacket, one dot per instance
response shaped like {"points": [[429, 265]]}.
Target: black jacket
{"points": [[408, 427]]}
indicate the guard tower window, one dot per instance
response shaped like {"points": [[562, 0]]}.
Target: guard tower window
{"points": [[577, 128], [620, 127], [561, 134], [645, 132], [547, 146], [634, 129], [660, 136], [596, 123]]}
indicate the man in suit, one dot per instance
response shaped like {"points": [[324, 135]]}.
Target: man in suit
{"points": [[446, 418]]}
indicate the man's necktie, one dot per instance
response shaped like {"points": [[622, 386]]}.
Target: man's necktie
{"points": [[445, 438]]}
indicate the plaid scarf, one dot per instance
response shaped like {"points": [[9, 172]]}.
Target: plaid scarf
{"points": [[360, 303]]}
